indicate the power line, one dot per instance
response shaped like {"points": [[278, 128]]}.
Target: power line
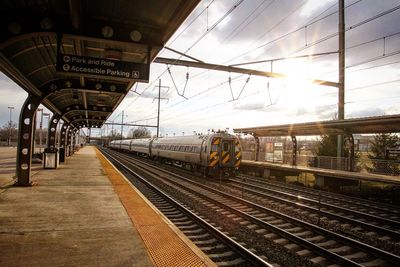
{"points": [[190, 24], [354, 26], [312, 21], [191, 46]]}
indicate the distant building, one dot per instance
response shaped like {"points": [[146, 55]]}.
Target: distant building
{"points": [[362, 143]]}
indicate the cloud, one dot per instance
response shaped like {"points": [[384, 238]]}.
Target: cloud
{"points": [[249, 106], [366, 112], [11, 95]]}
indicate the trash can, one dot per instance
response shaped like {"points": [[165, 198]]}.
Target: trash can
{"points": [[61, 154], [50, 158]]}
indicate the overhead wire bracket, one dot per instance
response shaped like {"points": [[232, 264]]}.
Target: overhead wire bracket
{"points": [[241, 91], [135, 90], [173, 81]]}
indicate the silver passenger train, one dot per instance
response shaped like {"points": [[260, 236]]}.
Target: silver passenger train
{"points": [[213, 154]]}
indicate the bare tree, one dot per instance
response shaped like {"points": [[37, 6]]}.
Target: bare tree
{"points": [[140, 132], [7, 131]]}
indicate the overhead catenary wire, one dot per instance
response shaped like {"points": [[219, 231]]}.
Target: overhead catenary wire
{"points": [[308, 46], [313, 20], [191, 46]]}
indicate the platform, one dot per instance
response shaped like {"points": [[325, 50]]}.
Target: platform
{"points": [[324, 172], [78, 215], [8, 158]]}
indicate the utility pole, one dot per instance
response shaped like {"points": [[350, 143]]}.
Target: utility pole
{"points": [[90, 133], [341, 73], [158, 110], [112, 130], [122, 125], [9, 133]]}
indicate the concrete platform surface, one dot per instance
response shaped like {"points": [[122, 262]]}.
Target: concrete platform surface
{"points": [[8, 159], [72, 217]]}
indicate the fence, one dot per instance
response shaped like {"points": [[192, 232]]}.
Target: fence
{"points": [[365, 165]]}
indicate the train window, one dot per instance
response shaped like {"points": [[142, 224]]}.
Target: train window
{"points": [[214, 147], [226, 146]]}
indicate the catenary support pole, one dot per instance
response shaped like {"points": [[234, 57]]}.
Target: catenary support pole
{"points": [[341, 75], [158, 109]]}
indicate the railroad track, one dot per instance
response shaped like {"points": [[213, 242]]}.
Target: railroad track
{"points": [[266, 227], [354, 214], [386, 211], [221, 249]]}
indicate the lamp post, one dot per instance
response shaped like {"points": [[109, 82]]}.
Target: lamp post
{"points": [[40, 129], [9, 133]]}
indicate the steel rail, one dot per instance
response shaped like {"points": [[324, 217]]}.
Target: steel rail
{"points": [[362, 246], [321, 251], [383, 207], [238, 248], [370, 226]]}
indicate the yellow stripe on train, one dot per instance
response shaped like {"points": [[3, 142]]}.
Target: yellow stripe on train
{"points": [[237, 163], [213, 163], [216, 141], [213, 154], [225, 160], [239, 154]]}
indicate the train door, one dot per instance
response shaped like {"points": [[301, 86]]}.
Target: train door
{"points": [[227, 150]]}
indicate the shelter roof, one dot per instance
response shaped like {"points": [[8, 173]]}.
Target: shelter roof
{"points": [[35, 34], [369, 125]]}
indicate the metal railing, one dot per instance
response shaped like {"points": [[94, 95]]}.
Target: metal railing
{"points": [[365, 165]]}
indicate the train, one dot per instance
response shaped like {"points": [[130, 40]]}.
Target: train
{"points": [[215, 154]]}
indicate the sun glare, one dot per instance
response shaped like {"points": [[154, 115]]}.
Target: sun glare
{"points": [[298, 86]]}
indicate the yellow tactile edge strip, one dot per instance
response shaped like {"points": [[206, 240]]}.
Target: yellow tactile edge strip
{"points": [[166, 244]]}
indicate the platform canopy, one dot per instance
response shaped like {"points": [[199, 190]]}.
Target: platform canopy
{"points": [[82, 57], [369, 125]]}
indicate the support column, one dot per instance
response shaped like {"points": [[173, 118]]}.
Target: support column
{"points": [[51, 134], [63, 137], [63, 141], [257, 147], [294, 150], [342, 68], [74, 139], [350, 140], [25, 139], [68, 139]]}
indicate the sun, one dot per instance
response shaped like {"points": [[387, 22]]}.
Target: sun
{"points": [[297, 85]]}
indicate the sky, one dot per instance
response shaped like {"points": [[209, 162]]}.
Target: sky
{"points": [[255, 30]]}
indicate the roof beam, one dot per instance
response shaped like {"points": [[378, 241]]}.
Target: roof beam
{"points": [[209, 66]]}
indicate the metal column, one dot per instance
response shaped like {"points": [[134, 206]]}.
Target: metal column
{"points": [[63, 137], [68, 139], [257, 147], [52, 131], [294, 150], [350, 140], [341, 73], [25, 139]]}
